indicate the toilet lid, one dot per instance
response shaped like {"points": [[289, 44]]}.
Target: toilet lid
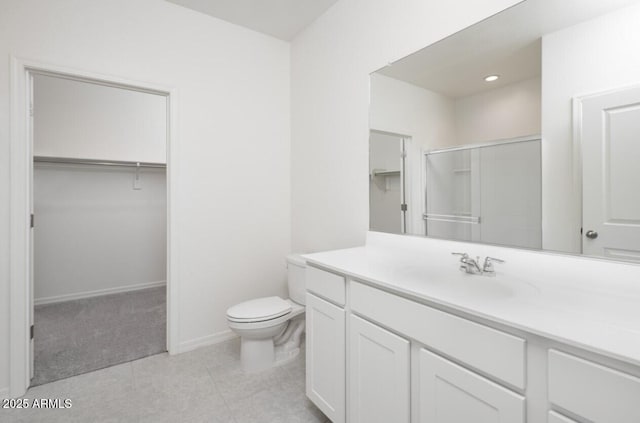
{"points": [[259, 309]]}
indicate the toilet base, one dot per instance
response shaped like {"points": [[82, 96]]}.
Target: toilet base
{"points": [[257, 355]]}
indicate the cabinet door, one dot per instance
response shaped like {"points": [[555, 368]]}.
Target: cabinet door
{"points": [[379, 380], [325, 365], [452, 394]]}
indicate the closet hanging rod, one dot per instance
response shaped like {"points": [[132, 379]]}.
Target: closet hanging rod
{"points": [[68, 160]]}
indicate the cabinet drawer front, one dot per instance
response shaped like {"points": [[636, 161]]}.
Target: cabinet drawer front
{"points": [[326, 284], [496, 353], [558, 418], [593, 391], [450, 393]]}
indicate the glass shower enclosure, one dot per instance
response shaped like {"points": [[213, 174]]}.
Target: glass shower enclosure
{"points": [[489, 193]]}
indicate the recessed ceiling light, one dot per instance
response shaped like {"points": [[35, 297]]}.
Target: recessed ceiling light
{"points": [[491, 78]]}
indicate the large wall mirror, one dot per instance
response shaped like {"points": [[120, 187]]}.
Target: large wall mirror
{"points": [[522, 130]]}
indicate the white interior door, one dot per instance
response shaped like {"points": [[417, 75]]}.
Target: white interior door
{"points": [[610, 129]]}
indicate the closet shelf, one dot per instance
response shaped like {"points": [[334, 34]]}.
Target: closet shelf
{"points": [[96, 162]]}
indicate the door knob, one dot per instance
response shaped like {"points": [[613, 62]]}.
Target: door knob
{"points": [[591, 234]]}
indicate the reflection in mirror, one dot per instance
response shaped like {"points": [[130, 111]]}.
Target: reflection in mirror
{"points": [[387, 182], [487, 194], [521, 131]]}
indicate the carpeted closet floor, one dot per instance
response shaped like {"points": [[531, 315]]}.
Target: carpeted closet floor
{"points": [[80, 336]]}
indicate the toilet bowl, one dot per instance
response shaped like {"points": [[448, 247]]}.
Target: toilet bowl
{"points": [[270, 327]]}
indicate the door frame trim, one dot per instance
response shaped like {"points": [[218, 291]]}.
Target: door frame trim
{"points": [[576, 109], [21, 154]]}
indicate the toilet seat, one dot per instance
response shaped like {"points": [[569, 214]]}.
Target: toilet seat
{"points": [[259, 310]]}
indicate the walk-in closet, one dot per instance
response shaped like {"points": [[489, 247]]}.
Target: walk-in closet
{"points": [[99, 252]]}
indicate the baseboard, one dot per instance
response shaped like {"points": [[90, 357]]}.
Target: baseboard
{"points": [[97, 293], [4, 393], [204, 341]]}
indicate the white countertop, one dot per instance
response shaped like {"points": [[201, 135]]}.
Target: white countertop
{"points": [[590, 304]]}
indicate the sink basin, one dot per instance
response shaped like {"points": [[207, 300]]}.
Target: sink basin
{"points": [[440, 280]]}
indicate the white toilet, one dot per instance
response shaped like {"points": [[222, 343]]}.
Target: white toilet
{"points": [[270, 327]]}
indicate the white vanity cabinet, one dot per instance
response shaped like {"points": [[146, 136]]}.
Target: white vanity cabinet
{"points": [[445, 392], [490, 351], [379, 379], [409, 360], [326, 343]]}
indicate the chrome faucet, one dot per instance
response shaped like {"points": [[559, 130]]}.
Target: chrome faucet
{"points": [[471, 266], [487, 268]]}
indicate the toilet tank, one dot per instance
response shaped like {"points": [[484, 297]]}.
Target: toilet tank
{"points": [[295, 277]]}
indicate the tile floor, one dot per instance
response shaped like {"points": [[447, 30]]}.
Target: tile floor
{"points": [[205, 385]]}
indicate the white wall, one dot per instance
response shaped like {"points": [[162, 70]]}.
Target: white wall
{"points": [[594, 56], [507, 112], [331, 62], [95, 234], [90, 121], [232, 180]]}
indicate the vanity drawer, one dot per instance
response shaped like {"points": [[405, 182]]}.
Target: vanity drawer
{"points": [[495, 353], [592, 391], [326, 284]]}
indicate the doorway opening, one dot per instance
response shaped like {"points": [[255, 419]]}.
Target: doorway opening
{"points": [[387, 182], [83, 195], [99, 225]]}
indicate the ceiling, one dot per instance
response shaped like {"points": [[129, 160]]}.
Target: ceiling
{"points": [[507, 44], [282, 19]]}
